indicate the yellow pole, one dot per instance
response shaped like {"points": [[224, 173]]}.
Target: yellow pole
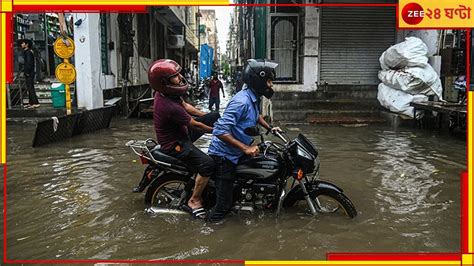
{"points": [[68, 100], [68, 94]]}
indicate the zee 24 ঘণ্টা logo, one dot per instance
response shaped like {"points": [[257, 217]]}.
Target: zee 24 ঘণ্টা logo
{"points": [[413, 13]]}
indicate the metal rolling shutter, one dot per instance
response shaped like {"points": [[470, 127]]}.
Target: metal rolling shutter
{"points": [[352, 40]]}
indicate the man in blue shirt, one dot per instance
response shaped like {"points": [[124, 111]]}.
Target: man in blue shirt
{"points": [[229, 142]]}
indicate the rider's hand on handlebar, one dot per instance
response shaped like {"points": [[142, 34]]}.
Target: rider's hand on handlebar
{"points": [[252, 151], [273, 130], [276, 129]]}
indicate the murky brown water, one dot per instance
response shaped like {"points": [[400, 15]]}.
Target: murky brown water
{"points": [[73, 200]]}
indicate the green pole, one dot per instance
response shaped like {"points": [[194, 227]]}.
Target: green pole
{"points": [[260, 30]]}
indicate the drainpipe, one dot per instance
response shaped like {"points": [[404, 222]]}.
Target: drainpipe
{"points": [[198, 60]]}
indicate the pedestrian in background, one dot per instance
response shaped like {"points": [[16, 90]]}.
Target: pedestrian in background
{"points": [[29, 71], [214, 85]]}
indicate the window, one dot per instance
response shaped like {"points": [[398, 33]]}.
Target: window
{"points": [[143, 22]]}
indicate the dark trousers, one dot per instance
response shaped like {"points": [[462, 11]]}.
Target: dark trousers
{"points": [[212, 101], [190, 154], [30, 87], [194, 158], [207, 119], [225, 174]]}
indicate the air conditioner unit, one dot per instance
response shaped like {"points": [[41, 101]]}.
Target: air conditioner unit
{"points": [[175, 41]]}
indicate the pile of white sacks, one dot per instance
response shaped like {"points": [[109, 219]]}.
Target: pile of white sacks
{"points": [[407, 77]]}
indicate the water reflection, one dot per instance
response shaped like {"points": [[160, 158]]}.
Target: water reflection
{"points": [[406, 177], [73, 200]]}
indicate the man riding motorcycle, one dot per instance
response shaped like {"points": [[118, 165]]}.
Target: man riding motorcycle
{"points": [[244, 181], [176, 129], [229, 142]]}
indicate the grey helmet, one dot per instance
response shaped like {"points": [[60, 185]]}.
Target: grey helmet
{"points": [[256, 74]]}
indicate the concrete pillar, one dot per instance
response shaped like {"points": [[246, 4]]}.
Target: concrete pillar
{"points": [[311, 48], [87, 61]]}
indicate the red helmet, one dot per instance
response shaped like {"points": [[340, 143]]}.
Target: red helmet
{"points": [[159, 74]]}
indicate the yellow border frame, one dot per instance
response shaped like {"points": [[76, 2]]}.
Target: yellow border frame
{"points": [[3, 89]]}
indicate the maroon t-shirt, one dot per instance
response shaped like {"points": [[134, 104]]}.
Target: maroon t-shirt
{"points": [[215, 85], [171, 120]]}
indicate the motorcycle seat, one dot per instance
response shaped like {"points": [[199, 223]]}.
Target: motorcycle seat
{"points": [[162, 157]]}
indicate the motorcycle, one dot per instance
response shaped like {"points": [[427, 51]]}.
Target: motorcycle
{"points": [[262, 182]]}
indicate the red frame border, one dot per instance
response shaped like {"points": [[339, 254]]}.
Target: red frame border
{"points": [[329, 256]]}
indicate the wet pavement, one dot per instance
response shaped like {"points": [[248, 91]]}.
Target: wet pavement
{"points": [[73, 200]]}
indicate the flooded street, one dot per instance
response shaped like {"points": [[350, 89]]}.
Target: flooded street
{"points": [[73, 200]]}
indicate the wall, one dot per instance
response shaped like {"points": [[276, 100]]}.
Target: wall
{"points": [[311, 48], [429, 37], [87, 61], [139, 65]]}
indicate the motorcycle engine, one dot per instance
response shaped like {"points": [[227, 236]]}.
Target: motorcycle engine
{"points": [[260, 196]]}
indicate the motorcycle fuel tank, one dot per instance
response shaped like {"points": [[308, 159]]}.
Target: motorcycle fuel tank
{"points": [[259, 167]]}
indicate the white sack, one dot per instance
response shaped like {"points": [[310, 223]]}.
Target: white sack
{"points": [[398, 101], [413, 80], [410, 53]]}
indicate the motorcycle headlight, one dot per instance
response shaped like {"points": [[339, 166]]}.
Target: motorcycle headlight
{"points": [[301, 152]]}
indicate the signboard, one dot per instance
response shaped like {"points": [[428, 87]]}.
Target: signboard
{"points": [[64, 47], [66, 73]]}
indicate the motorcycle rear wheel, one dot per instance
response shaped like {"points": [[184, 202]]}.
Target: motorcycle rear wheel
{"points": [[166, 192]]}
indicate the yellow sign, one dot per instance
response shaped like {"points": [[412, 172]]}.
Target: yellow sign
{"points": [[64, 47], [66, 73], [436, 14]]}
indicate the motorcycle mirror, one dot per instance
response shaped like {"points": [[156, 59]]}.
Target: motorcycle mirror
{"points": [[252, 131]]}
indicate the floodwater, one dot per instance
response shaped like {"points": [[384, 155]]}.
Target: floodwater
{"points": [[73, 200]]}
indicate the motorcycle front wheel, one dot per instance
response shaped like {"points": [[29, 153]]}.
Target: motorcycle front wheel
{"points": [[333, 203], [167, 192], [324, 200]]}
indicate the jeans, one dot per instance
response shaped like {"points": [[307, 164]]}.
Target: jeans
{"points": [[212, 101], [225, 174]]}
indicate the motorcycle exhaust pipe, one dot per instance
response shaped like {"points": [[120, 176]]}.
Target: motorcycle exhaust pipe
{"points": [[157, 210]]}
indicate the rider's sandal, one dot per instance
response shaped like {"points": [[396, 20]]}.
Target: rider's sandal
{"points": [[197, 213]]}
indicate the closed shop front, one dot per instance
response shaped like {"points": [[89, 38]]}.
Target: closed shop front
{"points": [[352, 40]]}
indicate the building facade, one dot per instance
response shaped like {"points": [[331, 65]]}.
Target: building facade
{"points": [[319, 46], [208, 33]]}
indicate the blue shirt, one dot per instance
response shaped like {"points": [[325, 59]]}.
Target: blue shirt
{"points": [[241, 112]]}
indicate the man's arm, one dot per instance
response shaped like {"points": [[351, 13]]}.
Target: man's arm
{"points": [[263, 123], [248, 150], [222, 89], [267, 126], [29, 66], [206, 128], [191, 109]]}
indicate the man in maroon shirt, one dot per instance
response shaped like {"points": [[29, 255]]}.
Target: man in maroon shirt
{"points": [[215, 84], [176, 129]]}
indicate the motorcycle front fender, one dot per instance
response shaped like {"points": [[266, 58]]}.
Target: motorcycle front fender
{"points": [[296, 193]]}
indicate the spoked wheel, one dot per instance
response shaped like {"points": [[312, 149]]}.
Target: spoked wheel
{"points": [[333, 203], [325, 200], [167, 192]]}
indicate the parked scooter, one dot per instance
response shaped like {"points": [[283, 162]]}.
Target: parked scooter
{"points": [[261, 183]]}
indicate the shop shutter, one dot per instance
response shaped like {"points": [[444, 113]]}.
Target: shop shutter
{"points": [[352, 40]]}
